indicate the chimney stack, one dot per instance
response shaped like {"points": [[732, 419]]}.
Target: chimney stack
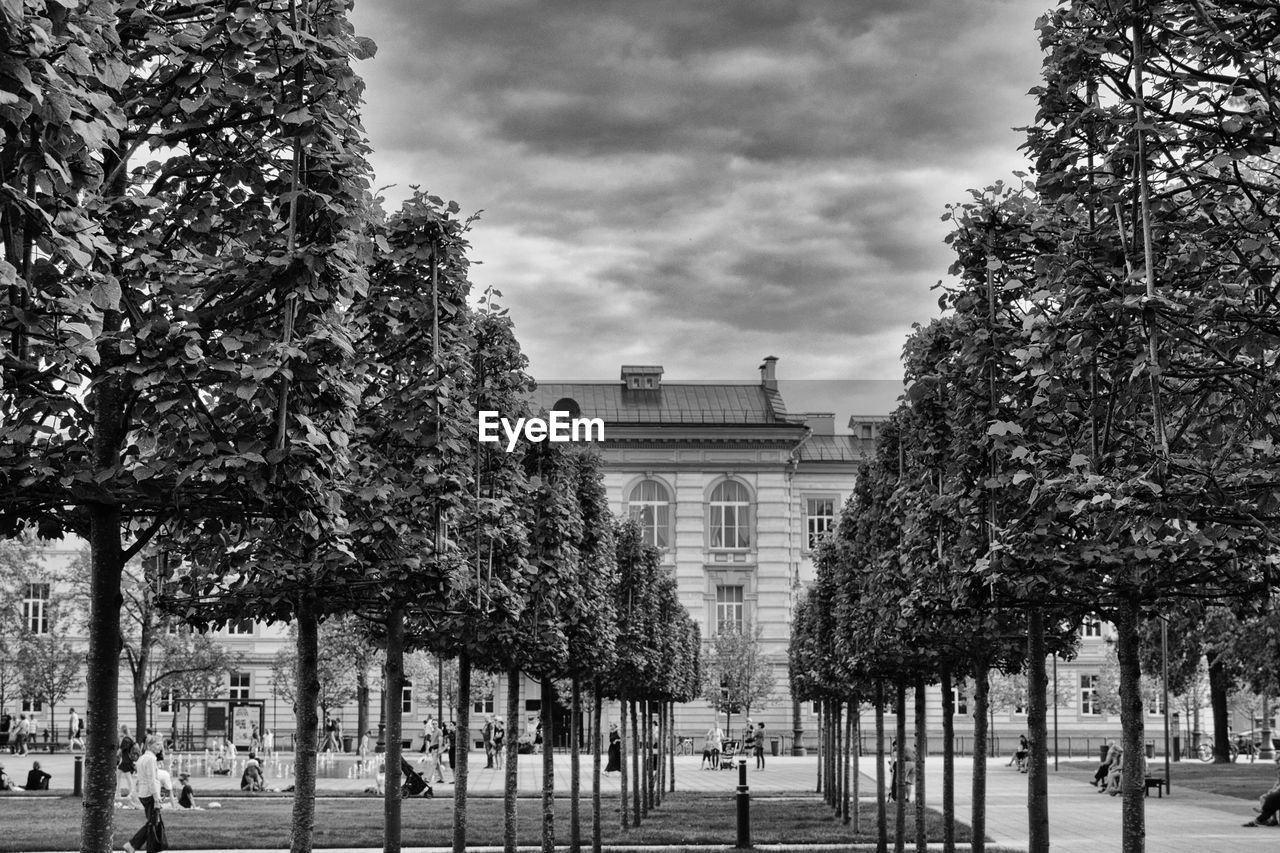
{"points": [[768, 373]]}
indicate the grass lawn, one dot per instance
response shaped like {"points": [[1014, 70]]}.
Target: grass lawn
{"points": [[53, 823], [1242, 779]]}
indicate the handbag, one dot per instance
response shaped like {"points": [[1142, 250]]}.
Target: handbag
{"points": [[157, 837]]}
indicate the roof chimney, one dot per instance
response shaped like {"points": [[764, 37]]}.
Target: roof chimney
{"points": [[768, 374]]}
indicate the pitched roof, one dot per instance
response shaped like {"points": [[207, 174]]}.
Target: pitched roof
{"points": [[835, 448], [671, 403]]}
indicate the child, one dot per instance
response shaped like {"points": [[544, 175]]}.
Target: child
{"points": [[187, 797]]}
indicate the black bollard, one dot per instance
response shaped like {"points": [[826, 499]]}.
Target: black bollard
{"points": [[77, 779], [744, 807]]}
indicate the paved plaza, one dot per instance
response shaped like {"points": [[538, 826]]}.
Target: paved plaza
{"points": [[1081, 820]]}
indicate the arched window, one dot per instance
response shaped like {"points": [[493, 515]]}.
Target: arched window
{"points": [[730, 516], [649, 505]]}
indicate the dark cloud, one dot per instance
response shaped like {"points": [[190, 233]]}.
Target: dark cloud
{"points": [[702, 183]]}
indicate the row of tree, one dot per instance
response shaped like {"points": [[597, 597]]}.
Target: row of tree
{"points": [[1089, 429], [214, 340]]}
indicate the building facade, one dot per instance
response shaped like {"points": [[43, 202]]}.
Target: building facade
{"points": [[731, 488]]}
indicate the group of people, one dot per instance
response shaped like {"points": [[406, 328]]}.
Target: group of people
{"points": [[149, 783], [131, 787], [437, 749], [20, 735], [713, 745], [1109, 777], [37, 779], [494, 735]]}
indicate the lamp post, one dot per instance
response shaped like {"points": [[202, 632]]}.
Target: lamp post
{"points": [[1268, 750]]}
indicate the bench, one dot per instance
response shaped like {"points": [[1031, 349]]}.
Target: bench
{"points": [[1160, 783]]}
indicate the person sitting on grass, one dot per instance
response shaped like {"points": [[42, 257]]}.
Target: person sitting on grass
{"points": [[186, 796], [1268, 803], [37, 779], [6, 783], [251, 780]]}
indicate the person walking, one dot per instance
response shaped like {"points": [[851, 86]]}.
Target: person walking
{"points": [[77, 737], [487, 735], [73, 725], [22, 733], [759, 746], [615, 750], [149, 836], [125, 770], [711, 748], [499, 741]]}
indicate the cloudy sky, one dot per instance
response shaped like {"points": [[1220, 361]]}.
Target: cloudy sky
{"points": [[698, 184]]}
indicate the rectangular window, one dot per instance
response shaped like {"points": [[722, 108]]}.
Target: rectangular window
{"points": [[1153, 701], [35, 608], [729, 608], [1089, 695], [483, 706], [1092, 628], [238, 686], [240, 626], [30, 705], [730, 527], [820, 516], [961, 700], [167, 701], [406, 699]]}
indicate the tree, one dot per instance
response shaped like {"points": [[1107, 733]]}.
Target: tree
{"points": [[738, 674], [173, 284], [336, 669], [19, 566], [204, 673], [51, 668]]}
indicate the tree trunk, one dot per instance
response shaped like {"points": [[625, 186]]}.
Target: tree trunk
{"points": [[671, 722], [308, 689], [461, 750], [548, 768], [575, 766], [141, 693], [1038, 733], [624, 779], [1219, 693], [882, 817], [900, 762], [660, 756], [102, 680], [819, 749], [978, 818], [1132, 817], [511, 777], [855, 727], [948, 762], [922, 751], [362, 704], [844, 758], [597, 746], [393, 733], [636, 750]]}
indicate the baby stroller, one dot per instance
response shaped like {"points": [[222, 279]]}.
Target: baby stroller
{"points": [[413, 783]]}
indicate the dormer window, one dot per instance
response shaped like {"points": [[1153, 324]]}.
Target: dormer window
{"points": [[642, 377]]}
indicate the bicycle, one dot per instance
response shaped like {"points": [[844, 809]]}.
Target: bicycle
{"points": [[1205, 751], [684, 746]]}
